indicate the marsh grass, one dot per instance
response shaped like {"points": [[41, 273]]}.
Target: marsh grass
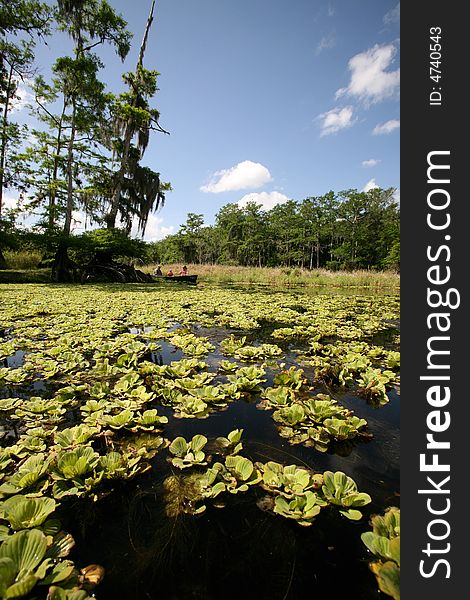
{"points": [[22, 268], [22, 259], [25, 276], [285, 276]]}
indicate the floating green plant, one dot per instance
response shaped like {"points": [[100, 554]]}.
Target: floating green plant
{"points": [[25, 513], [341, 490], [231, 444], [384, 543], [302, 509], [34, 552], [187, 454], [83, 406], [29, 477]]}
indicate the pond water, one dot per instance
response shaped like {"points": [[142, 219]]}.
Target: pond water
{"points": [[239, 550], [236, 548]]}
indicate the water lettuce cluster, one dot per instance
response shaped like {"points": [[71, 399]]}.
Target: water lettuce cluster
{"points": [[294, 492], [34, 551], [91, 377], [384, 544], [314, 421]]}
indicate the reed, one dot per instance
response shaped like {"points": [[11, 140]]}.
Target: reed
{"points": [[287, 276], [22, 259]]}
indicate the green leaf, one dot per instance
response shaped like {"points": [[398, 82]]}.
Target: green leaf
{"points": [[198, 442], [26, 548], [56, 593], [27, 513], [241, 466], [51, 527], [199, 456], [395, 550], [235, 435], [389, 579], [61, 571], [7, 574], [22, 587], [178, 447], [353, 515]]}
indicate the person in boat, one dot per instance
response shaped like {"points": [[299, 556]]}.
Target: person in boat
{"points": [[170, 273], [184, 271], [158, 271]]}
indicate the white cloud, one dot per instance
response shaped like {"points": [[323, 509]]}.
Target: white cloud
{"points": [[327, 41], [393, 16], [9, 201], [246, 174], [387, 127], [396, 196], [155, 230], [370, 185], [371, 162], [266, 199], [23, 96], [336, 119], [370, 80]]}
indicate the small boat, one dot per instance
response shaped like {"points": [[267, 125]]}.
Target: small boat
{"points": [[178, 278]]}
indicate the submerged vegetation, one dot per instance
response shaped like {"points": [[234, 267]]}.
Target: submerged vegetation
{"points": [[94, 377]]}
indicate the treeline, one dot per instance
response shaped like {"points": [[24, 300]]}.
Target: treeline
{"points": [[346, 230]]}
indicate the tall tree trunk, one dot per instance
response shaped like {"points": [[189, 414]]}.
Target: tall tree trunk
{"points": [[111, 217], [6, 108], [3, 262], [62, 270], [70, 201], [116, 197], [53, 192]]}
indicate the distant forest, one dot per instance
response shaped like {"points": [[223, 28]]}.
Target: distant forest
{"points": [[346, 230]]}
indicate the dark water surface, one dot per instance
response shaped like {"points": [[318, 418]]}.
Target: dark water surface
{"points": [[241, 551]]}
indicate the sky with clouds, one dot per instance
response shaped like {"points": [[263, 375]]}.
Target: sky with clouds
{"points": [[265, 100]]}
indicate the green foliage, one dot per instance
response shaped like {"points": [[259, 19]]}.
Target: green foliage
{"points": [[113, 242], [31, 556], [384, 543], [92, 348], [346, 230], [26, 513], [341, 490], [188, 454], [231, 444], [302, 509]]}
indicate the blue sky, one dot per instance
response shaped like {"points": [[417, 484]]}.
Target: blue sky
{"points": [[265, 100]]}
